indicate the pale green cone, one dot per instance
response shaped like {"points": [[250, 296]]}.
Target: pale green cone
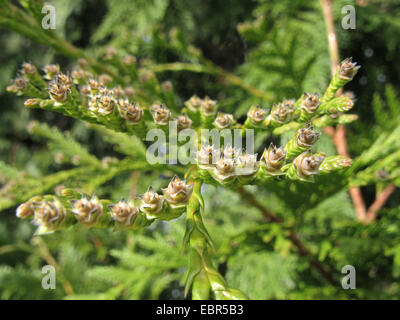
{"points": [[334, 163], [336, 105]]}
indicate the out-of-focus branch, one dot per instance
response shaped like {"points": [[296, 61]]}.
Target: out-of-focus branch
{"points": [[379, 202], [46, 255], [293, 237], [339, 135], [330, 30], [211, 68]]}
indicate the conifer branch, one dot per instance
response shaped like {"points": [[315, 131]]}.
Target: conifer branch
{"points": [[203, 277], [293, 237]]}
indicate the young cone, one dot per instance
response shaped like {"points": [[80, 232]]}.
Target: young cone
{"points": [[302, 141], [345, 73], [305, 166]]}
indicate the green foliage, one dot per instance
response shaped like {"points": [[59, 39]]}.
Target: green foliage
{"points": [[250, 53]]}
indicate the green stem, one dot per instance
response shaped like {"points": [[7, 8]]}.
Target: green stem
{"points": [[204, 278]]}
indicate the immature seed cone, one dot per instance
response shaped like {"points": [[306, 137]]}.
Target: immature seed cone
{"points": [[129, 91], [224, 171], [230, 153], [223, 120], [273, 159], [290, 104], [117, 92], [65, 80], [307, 165], [246, 164], [80, 76], [124, 213], [110, 53], [59, 92], [345, 73], [20, 84], [208, 107], [87, 211], [83, 63], [194, 103], [104, 91], [161, 114], [309, 105], [85, 91], [152, 203], [94, 86], [302, 141], [307, 136], [183, 122], [279, 115], [128, 60], [93, 103], [348, 69], [131, 112], [104, 79], [178, 192], [25, 210], [206, 155], [106, 105], [167, 86], [51, 70], [256, 115], [29, 68], [49, 215]]}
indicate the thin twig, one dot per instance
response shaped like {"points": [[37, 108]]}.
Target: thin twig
{"points": [[46, 255], [339, 135], [379, 202], [330, 30], [293, 237]]}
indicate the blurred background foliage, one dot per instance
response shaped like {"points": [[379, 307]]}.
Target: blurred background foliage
{"points": [[280, 49]]}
